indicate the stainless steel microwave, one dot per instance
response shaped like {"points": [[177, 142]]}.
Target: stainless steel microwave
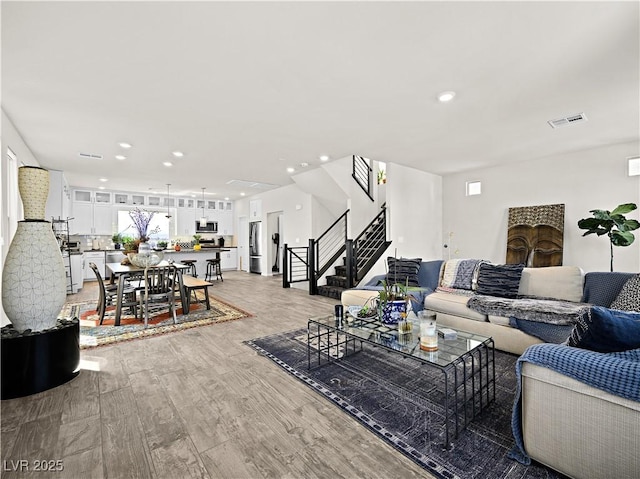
{"points": [[210, 227]]}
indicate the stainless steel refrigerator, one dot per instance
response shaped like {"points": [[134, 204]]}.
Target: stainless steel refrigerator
{"points": [[255, 246]]}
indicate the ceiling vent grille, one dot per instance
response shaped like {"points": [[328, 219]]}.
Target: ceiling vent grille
{"points": [[90, 156], [568, 120], [252, 184]]}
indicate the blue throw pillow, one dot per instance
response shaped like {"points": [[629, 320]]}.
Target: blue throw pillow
{"points": [[606, 331]]}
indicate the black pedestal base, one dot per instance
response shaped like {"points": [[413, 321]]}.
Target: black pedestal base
{"points": [[35, 362]]}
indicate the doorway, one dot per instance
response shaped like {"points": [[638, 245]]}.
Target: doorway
{"points": [[275, 232]]}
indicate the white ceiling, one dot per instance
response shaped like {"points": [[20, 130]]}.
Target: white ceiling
{"points": [[247, 89]]}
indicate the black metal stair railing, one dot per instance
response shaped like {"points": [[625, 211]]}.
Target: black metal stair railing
{"points": [[325, 250], [363, 252], [363, 174], [295, 265]]}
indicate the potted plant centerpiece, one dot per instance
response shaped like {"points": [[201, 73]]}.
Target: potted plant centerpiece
{"points": [[393, 301], [196, 242]]}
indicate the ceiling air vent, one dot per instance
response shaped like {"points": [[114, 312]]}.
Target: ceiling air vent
{"points": [[569, 120], [90, 156], [252, 184]]}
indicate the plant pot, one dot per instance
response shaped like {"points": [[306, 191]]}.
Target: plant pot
{"points": [[392, 311]]}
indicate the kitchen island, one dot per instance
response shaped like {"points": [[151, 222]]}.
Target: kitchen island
{"points": [[228, 257]]}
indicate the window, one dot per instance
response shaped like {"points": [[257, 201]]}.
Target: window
{"points": [[474, 188], [634, 166], [159, 221]]}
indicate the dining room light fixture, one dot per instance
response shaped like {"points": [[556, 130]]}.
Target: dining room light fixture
{"points": [[203, 218], [168, 196]]}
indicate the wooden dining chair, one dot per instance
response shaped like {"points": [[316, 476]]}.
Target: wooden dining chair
{"points": [[159, 291], [107, 295]]}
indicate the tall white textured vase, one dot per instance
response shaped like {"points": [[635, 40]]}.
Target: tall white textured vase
{"points": [[33, 277]]}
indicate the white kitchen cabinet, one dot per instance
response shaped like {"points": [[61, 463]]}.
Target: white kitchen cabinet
{"points": [[225, 222], [229, 259], [91, 219], [185, 222], [59, 197], [255, 210], [102, 219], [96, 257]]}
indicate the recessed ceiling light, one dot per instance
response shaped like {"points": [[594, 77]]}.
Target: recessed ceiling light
{"points": [[290, 170], [125, 145], [226, 198], [104, 179], [324, 158], [304, 164], [242, 193], [177, 154], [167, 163], [121, 157], [446, 96], [101, 187]]}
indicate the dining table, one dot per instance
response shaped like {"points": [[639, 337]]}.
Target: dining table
{"points": [[123, 271]]}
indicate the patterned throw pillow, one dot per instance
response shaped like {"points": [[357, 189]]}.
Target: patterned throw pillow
{"points": [[499, 279], [403, 270], [606, 331], [460, 273], [629, 297]]}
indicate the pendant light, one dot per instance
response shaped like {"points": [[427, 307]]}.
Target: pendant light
{"points": [[203, 218], [168, 196]]}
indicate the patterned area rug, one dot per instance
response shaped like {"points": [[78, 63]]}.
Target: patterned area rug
{"points": [[92, 334], [393, 398]]}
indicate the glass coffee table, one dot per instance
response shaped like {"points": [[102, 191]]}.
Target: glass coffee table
{"points": [[467, 362]]}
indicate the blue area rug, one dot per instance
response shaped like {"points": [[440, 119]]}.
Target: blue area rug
{"points": [[380, 390]]}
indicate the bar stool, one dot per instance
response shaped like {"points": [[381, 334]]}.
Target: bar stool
{"points": [[213, 270], [192, 267]]}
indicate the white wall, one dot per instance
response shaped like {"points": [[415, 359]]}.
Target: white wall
{"points": [[414, 208], [296, 207], [582, 181]]}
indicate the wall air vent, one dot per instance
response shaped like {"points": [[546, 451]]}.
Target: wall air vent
{"points": [[569, 120], [252, 184], [90, 156]]}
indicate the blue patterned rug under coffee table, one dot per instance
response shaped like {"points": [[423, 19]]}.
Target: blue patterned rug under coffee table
{"points": [[379, 389]]}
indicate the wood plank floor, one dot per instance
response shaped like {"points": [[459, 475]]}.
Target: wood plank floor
{"points": [[196, 404]]}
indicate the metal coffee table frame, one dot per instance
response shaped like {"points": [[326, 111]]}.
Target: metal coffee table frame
{"points": [[467, 363]]}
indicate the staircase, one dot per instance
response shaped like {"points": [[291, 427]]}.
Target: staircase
{"points": [[364, 251], [336, 283]]}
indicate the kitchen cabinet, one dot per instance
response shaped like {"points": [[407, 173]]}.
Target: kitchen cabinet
{"points": [[225, 222], [59, 200], [185, 222], [255, 210], [92, 219], [96, 257], [120, 198], [229, 259]]}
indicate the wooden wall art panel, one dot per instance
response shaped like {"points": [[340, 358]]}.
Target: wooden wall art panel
{"points": [[536, 235]]}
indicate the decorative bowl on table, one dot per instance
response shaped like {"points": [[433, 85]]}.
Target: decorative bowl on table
{"points": [[143, 260]]}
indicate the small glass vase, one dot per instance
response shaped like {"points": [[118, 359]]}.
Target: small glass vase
{"points": [[428, 331]]}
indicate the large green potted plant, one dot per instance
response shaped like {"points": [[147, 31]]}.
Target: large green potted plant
{"points": [[613, 224]]}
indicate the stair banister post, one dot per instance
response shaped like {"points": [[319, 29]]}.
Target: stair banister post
{"points": [[313, 280], [286, 274], [349, 263]]}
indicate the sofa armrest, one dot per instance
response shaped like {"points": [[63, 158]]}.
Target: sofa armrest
{"points": [[578, 429]]}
